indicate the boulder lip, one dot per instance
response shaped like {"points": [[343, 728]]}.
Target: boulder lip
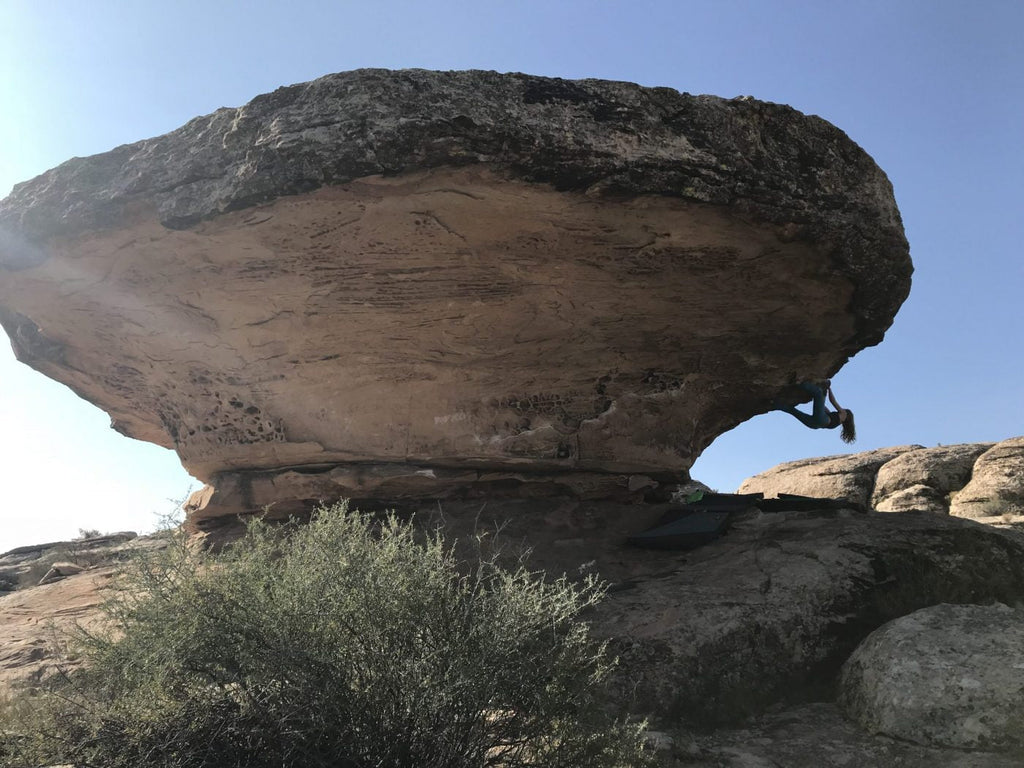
{"points": [[607, 139]]}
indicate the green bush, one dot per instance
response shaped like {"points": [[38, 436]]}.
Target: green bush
{"points": [[343, 642]]}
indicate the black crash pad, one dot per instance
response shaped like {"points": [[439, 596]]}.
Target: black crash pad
{"points": [[791, 502], [699, 522], [733, 502], [692, 528], [686, 526], [695, 523]]}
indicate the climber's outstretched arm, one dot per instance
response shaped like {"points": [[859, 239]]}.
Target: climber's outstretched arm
{"points": [[832, 399]]}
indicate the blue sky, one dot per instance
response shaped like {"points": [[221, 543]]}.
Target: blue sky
{"points": [[932, 89]]}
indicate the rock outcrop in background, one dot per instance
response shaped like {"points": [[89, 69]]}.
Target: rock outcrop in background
{"points": [[47, 589], [976, 480], [397, 284]]}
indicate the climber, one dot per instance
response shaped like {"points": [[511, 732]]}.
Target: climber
{"points": [[821, 417]]}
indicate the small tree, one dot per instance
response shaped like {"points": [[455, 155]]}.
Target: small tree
{"points": [[341, 642]]}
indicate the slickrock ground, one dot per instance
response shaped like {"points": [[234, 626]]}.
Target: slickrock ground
{"points": [[34, 617], [420, 284], [32, 621]]}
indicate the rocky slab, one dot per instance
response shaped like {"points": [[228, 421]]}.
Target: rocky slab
{"points": [[48, 589], [33, 622], [394, 274]]}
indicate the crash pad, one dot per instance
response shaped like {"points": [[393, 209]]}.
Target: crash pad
{"points": [[690, 529]]}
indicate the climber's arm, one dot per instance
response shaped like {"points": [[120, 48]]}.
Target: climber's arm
{"points": [[832, 399]]}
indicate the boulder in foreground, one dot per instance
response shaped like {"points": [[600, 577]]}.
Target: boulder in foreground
{"points": [[947, 676]]}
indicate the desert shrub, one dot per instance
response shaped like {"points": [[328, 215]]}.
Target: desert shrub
{"points": [[343, 642]]}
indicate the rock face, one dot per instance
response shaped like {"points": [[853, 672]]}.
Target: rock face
{"points": [[762, 618], [948, 675], [831, 477], [26, 566], [33, 602], [997, 483], [386, 284], [771, 613], [27, 644], [976, 480], [926, 478]]}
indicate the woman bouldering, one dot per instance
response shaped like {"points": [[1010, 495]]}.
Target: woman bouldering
{"points": [[820, 417]]}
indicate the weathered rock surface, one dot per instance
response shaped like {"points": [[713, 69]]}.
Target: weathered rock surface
{"points": [[25, 566], [948, 675], [926, 478], [32, 620], [60, 571], [997, 483], [817, 736], [380, 279], [32, 616], [831, 477], [976, 480], [763, 617], [770, 614]]}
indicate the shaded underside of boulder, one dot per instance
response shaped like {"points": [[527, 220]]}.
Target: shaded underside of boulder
{"points": [[399, 273], [976, 480]]}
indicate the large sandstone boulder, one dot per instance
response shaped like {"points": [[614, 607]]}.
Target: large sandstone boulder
{"points": [[850, 477], [948, 675], [977, 480], [385, 284], [996, 486], [926, 478]]}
